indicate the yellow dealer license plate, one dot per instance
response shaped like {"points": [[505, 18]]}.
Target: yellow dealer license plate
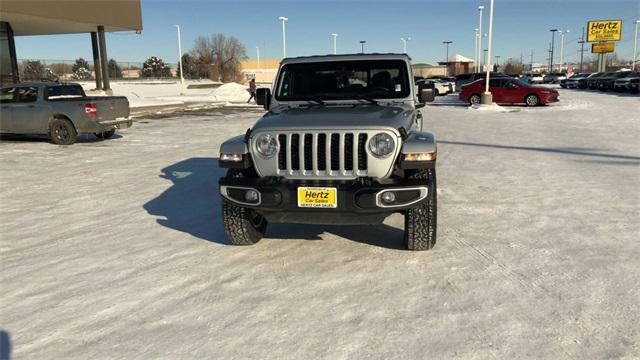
{"points": [[317, 197]]}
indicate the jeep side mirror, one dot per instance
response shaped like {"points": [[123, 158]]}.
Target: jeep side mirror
{"points": [[263, 97], [426, 95]]}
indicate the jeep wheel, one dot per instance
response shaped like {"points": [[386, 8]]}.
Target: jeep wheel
{"points": [[420, 222], [105, 134], [475, 99], [62, 132], [242, 225]]}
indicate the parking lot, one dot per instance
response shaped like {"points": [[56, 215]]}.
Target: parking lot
{"points": [[115, 249]]}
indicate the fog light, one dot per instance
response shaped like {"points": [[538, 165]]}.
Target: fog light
{"points": [[388, 197], [251, 196]]}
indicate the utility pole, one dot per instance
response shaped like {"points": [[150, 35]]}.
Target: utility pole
{"points": [[531, 61], [581, 42], [549, 61]]}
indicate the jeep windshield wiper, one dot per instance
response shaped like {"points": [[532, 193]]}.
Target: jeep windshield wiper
{"points": [[366, 98], [313, 99]]}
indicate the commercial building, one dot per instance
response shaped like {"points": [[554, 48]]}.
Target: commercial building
{"points": [[44, 17]]}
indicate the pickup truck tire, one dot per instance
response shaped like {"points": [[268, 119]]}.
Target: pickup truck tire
{"points": [[242, 225], [420, 223], [62, 132], [105, 134]]}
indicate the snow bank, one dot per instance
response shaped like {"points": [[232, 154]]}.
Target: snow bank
{"points": [[491, 108], [231, 92]]}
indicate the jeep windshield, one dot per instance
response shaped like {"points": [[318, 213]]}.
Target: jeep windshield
{"points": [[343, 80]]}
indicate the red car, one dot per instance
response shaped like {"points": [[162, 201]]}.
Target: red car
{"points": [[508, 91]]}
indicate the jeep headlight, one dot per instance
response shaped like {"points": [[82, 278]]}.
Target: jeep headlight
{"points": [[381, 145], [267, 145]]}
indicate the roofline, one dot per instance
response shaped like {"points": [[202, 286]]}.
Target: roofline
{"points": [[331, 57]]}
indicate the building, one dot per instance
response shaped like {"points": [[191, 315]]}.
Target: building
{"points": [[44, 17], [459, 65], [428, 70], [264, 71]]}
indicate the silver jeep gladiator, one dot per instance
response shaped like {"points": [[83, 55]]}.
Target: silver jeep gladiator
{"points": [[341, 143], [61, 111]]}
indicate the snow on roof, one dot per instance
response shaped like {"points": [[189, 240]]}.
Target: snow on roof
{"points": [[458, 58]]}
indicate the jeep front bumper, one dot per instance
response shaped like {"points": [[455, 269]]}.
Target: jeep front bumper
{"points": [[278, 201]]}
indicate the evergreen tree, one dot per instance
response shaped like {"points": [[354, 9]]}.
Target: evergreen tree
{"points": [[80, 63]]}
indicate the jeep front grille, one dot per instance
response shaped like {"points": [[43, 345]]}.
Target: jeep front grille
{"points": [[333, 154]]}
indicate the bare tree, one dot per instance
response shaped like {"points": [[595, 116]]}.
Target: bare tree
{"points": [[219, 57], [513, 66]]}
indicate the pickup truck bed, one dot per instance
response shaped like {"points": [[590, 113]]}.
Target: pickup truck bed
{"points": [[60, 111]]}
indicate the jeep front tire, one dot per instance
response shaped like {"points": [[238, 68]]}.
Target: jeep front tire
{"points": [[420, 222], [242, 225]]}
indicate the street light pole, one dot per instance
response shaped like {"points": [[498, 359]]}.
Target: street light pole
{"points": [[562, 34], [180, 61], [284, 37], [553, 33], [635, 47], [480, 8], [362, 42], [446, 43], [335, 43], [258, 55], [476, 53], [404, 44], [487, 98]]}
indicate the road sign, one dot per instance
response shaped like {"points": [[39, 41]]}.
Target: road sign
{"points": [[604, 30], [600, 48]]}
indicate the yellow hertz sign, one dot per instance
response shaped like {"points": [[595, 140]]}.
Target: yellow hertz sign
{"points": [[603, 48], [604, 30]]}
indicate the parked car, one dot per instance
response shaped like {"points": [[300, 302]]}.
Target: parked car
{"points": [[533, 78], [632, 86], [592, 81], [623, 84], [463, 79], [509, 91], [573, 81], [440, 88], [449, 81], [553, 78], [584, 82], [62, 111], [608, 82], [310, 159]]}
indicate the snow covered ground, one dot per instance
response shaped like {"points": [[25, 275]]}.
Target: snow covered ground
{"points": [[115, 249], [169, 92]]}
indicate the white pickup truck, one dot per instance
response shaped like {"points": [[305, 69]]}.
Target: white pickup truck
{"points": [[61, 111]]}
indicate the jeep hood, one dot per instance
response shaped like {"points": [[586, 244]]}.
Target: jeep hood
{"points": [[337, 117]]}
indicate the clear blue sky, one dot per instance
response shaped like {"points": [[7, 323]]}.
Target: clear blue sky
{"points": [[519, 27]]}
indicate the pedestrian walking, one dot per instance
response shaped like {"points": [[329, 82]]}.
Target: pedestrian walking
{"points": [[252, 90]]}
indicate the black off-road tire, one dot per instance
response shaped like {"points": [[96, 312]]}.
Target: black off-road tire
{"points": [[242, 225], [105, 134], [62, 132], [420, 223]]}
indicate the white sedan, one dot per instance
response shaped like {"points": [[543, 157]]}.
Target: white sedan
{"points": [[440, 87]]}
